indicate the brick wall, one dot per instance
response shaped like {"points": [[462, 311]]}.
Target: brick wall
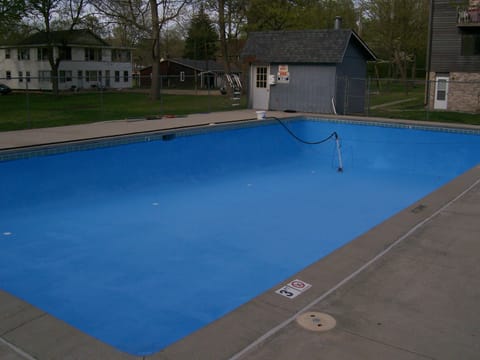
{"points": [[463, 92]]}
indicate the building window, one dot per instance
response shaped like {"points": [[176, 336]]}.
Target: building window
{"points": [[119, 55], [23, 54], [65, 76], [20, 76], [44, 76], [91, 76], [8, 75], [92, 54], [261, 77], [470, 44], [7, 53], [117, 76], [65, 53], [42, 54], [125, 76], [182, 76], [27, 76], [442, 89]]}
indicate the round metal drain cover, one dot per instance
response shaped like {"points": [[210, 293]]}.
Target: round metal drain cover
{"points": [[316, 321]]}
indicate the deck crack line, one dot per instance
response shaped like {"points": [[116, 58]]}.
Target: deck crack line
{"points": [[23, 324], [386, 344], [16, 349], [280, 326]]}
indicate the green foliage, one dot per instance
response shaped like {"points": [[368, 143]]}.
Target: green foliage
{"points": [[299, 14], [201, 41], [396, 30], [388, 99], [11, 12]]}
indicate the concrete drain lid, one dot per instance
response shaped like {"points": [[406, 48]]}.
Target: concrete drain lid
{"points": [[316, 321]]}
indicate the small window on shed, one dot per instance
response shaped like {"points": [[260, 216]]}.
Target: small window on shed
{"points": [[182, 76]]}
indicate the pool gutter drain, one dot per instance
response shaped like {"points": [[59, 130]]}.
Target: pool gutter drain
{"points": [[316, 321]]}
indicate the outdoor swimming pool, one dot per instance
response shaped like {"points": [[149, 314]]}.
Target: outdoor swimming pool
{"points": [[141, 244]]}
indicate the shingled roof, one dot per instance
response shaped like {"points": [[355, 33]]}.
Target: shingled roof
{"points": [[202, 65], [199, 65], [65, 37], [302, 46]]}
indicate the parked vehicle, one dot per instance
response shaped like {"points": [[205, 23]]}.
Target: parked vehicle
{"points": [[4, 89]]}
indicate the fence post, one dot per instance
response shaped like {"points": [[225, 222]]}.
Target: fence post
{"points": [[102, 108], [369, 82], [29, 116], [345, 99], [427, 112], [161, 95]]}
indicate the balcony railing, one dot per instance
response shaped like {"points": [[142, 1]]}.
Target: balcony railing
{"points": [[468, 17]]}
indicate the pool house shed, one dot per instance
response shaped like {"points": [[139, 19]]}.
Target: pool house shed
{"points": [[321, 71]]}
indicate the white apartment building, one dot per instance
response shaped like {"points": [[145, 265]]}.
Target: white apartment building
{"points": [[86, 61]]}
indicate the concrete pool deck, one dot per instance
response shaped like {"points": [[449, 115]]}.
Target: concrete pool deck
{"points": [[407, 289]]}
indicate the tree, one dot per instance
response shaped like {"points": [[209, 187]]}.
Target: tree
{"points": [[230, 21], [49, 11], [299, 14], [11, 12], [271, 15], [396, 30], [201, 40], [148, 17]]}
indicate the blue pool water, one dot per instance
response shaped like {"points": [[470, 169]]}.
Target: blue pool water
{"points": [[141, 244]]}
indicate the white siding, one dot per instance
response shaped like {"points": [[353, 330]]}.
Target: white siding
{"points": [[78, 63]]}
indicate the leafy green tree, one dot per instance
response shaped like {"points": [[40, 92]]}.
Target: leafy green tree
{"points": [[148, 17], [230, 20], [271, 15], [396, 30], [201, 40], [11, 12], [299, 14], [329, 9], [47, 13]]}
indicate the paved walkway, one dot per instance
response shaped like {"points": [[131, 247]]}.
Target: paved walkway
{"points": [[407, 289], [21, 138]]}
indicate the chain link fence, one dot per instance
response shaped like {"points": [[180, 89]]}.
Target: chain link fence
{"points": [[441, 99], [32, 103], [89, 99]]}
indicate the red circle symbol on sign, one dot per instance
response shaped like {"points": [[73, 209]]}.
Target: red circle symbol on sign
{"points": [[297, 284]]}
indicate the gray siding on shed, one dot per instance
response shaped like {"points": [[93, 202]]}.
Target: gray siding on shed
{"points": [[354, 64], [351, 82], [447, 41], [310, 89], [322, 64]]}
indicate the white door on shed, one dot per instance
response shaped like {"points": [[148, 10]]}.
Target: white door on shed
{"points": [[260, 86]]}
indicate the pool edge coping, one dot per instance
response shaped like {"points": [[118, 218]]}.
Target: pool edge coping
{"points": [[24, 315], [325, 275], [27, 320]]}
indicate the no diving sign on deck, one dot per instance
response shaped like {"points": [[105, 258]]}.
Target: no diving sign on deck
{"points": [[293, 288]]}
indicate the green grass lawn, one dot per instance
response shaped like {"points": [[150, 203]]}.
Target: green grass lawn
{"points": [[392, 101], [35, 110]]}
